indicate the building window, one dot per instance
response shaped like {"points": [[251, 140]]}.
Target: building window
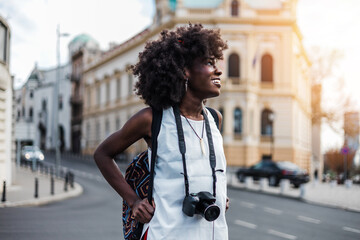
{"points": [[117, 124], [267, 120], [118, 88], [108, 92], [31, 93], [98, 95], [130, 82], [97, 132], [267, 68], [18, 116], [88, 97], [60, 102], [30, 114], [234, 8], [3, 42], [237, 121], [234, 67], [23, 111], [107, 128], [221, 110], [87, 134], [43, 105]]}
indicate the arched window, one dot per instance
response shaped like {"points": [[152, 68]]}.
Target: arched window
{"points": [[267, 120], [234, 67], [221, 110], [237, 121], [267, 68], [234, 8], [107, 128]]}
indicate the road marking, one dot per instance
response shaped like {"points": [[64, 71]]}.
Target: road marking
{"points": [[310, 220], [351, 229], [281, 234], [273, 211], [247, 204], [245, 224]]}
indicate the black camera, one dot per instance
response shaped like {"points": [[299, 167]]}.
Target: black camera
{"points": [[201, 203]]}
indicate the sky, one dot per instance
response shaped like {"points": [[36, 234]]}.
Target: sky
{"points": [[330, 24]]}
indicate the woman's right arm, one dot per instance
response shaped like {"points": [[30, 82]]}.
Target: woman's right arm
{"points": [[137, 127]]}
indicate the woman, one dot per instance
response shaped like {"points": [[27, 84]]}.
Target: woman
{"points": [[179, 69]]}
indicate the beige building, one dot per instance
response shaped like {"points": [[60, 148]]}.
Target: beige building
{"points": [[266, 91], [6, 106]]}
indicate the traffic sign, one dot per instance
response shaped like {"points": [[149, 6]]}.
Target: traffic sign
{"points": [[345, 150]]}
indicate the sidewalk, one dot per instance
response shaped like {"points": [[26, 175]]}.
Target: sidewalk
{"points": [[313, 192], [22, 191]]}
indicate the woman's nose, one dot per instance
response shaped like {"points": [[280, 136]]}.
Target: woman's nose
{"points": [[218, 71]]}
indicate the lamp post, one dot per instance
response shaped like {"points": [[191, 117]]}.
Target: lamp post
{"points": [[271, 118], [56, 100]]}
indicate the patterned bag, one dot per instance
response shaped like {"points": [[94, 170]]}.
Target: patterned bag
{"points": [[137, 176], [140, 178]]}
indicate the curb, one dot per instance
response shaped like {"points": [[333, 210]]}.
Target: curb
{"points": [[331, 205], [78, 190], [322, 204], [264, 192]]}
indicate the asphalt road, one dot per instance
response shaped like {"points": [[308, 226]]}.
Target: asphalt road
{"points": [[97, 215]]}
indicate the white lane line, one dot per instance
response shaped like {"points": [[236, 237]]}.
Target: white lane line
{"points": [[247, 204], [308, 219], [245, 224], [281, 234], [273, 211], [351, 229]]}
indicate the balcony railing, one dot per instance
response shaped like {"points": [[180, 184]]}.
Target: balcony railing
{"points": [[75, 77]]}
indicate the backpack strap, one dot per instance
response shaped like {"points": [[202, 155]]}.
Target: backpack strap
{"points": [[155, 129], [215, 116]]}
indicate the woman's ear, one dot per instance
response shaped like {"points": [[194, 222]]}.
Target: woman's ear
{"points": [[187, 72]]}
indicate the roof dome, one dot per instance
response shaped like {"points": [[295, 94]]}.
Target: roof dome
{"points": [[82, 41], [82, 38], [196, 4]]}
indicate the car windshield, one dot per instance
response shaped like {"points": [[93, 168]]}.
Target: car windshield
{"points": [[31, 148], [288, 165]]}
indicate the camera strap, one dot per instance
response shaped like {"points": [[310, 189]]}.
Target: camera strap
{"points": [[182, 147]]}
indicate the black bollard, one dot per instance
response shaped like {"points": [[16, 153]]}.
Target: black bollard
{"points": [[3, 199], [36, 195], [52, 192], [72, 176], [66, 182]]}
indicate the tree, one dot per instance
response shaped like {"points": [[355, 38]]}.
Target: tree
{"points": [[334, 160]]}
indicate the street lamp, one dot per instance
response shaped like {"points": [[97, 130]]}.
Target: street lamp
{"points": [[56, 97], [271, 118]]}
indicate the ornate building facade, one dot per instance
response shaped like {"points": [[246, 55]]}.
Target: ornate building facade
{"points": [[6, 106], [266, 92]]}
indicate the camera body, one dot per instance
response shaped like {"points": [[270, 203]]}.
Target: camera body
{"points": [[202, 203]]}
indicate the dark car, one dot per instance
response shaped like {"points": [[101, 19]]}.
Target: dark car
{"points": [[275, 171]]}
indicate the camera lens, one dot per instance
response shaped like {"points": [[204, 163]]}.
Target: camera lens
{"points": [[211, 213]]}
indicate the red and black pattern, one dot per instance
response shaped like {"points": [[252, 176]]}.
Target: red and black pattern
{"points": [[137, 176]]}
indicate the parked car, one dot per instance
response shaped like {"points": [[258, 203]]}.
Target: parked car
{"points": [[30, 153], [275, 171]]}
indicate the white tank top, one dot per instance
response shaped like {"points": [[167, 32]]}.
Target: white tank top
{"points": [[169, 222]]}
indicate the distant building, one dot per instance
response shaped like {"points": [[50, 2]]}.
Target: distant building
{"points": [[82, 49], [266, 91], [352, 134], [6, 106], [34, 109]]}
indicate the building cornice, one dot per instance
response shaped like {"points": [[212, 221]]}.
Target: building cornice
{"points": [[151, 31]]}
